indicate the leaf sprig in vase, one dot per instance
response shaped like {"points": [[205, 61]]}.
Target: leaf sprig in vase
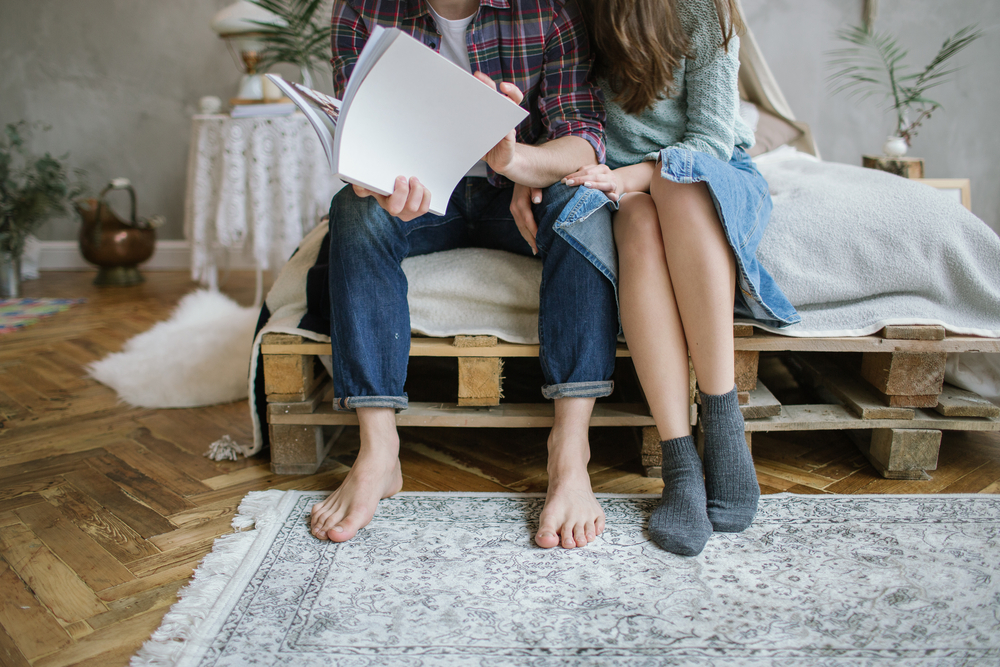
{"points": [[874, 66], [32, 188], [301, 36]]}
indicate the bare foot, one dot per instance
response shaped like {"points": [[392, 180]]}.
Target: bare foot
{"points": [[571, 517], [375, 475]]}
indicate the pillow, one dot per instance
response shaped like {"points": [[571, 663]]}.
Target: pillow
{"points": [[770, 131]]}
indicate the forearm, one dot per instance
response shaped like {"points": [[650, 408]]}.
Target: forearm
{"points": [[636, 177], [541, 166]]}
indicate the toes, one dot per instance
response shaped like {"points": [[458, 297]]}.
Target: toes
{"points": [[580, 535], [568, 541], [599, 524], [348, 527], [591, 532], [546, 538]]}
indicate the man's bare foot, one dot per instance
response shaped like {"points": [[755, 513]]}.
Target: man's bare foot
{"points": [[375, 475], [571, 517]]}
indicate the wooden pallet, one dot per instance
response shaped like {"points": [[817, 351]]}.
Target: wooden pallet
{"points": [[886, 384]]}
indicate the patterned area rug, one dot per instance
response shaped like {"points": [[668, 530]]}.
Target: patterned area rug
{"points": [[18, 313], [455, 579]]}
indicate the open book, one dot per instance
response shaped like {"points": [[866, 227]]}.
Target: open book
{"points": [[407, 111]]}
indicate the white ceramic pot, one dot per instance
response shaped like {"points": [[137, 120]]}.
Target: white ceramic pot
{"points": [[895, 146]]}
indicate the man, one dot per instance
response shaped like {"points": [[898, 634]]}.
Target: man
{"points": [[537, 53]]}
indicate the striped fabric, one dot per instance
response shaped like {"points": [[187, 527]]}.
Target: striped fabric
{"points": [[540, 46]]}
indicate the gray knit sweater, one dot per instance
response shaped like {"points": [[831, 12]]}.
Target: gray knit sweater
{"points": [[702, 115]]}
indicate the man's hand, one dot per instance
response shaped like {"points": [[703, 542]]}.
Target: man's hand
{"points": [[409, 198], [520, 208], [598, 177], [502, 155]]}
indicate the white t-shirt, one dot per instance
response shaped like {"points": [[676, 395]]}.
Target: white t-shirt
{"points": [[454, 49]]}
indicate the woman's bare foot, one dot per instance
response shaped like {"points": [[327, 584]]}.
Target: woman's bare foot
{"points": [[571, 517], [375, 475]]}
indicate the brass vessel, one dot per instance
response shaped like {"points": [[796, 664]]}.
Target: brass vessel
{"points": [[116, 246]]}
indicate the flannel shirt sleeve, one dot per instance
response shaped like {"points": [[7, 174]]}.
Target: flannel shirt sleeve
{"points": [[348, 34], [569, 100]]}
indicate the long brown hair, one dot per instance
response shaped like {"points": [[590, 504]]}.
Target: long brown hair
{"points": [[639, 43]]}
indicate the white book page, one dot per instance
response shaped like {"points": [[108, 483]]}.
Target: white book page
{"points": [[417, 114], [318, 117]]}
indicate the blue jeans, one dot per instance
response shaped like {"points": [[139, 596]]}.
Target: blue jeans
{"points": [[370, 319]]}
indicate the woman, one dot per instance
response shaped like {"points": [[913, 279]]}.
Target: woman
{"points": [[692, 209]]}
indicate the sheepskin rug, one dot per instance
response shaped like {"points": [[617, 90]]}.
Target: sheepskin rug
{"points": [[200, 356]]}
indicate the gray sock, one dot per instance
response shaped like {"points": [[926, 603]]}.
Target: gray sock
{"points": [[730, 479], [679, 523]]}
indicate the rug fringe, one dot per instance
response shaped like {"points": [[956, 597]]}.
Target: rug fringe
{"points": [[226, 449], [195, 601]]}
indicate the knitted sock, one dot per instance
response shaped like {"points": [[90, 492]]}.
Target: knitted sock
{"points": [[730, 479], [679, 523]]}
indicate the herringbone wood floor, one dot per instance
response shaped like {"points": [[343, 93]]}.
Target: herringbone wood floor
{"points": [[105, 510]]}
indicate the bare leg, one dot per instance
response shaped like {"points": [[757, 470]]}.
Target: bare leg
{"points": [[572, 516], [703, 274], [650, 320], [375, 475]]}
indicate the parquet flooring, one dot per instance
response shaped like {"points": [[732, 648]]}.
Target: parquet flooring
{"points": [[105, 510]]}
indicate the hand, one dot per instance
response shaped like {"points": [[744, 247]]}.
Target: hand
{"points": [[501, 156], [598, 177], [524, 218], [409, 198]]}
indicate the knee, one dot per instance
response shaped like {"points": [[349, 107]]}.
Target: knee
{"points": [[355, 219], [637, 227]]}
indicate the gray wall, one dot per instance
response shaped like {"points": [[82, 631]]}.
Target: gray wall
{"points": [[960, 141], [118, 80]]}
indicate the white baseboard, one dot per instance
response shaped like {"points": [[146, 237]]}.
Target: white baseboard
{"points": [[169, 256]]}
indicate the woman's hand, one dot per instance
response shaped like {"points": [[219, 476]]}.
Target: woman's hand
{"points": [[524, 218], [598, 177]]}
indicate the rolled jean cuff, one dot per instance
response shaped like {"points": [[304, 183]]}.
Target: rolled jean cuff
{"points": [[397, 403], [578, 389]]}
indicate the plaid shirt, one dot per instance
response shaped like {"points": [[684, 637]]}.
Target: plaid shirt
{"points": [[540, 46]]}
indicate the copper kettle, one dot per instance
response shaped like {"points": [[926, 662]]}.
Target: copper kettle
{"points": [[116, 246]]}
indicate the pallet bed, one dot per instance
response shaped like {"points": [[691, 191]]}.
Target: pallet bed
{"points": [[891, 384]]}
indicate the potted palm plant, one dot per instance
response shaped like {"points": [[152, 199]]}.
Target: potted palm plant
{"points": [[32, 188], [874, 65], [300, 36]]}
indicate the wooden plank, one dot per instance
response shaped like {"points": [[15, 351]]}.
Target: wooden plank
{"points": [[905, 373], [297, 449], [760, 341], [137, 516], [761, 403], [505, 415], [34, 631], [195, 533], [651, 454], [905, 449], [479, 381], [20, 501], [127, 607], [827, 417], [113, 534], [194, 464], [10, 654], [475, 341], [157, 468], [54, 584], [913, 332], [93, 564], [746, 363], [848, 388], [288, 375], [955, 402], [122, 638], [144, 488], [322, 392]]}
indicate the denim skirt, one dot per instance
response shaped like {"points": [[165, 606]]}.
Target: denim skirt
{"points": [[743, 203]]}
